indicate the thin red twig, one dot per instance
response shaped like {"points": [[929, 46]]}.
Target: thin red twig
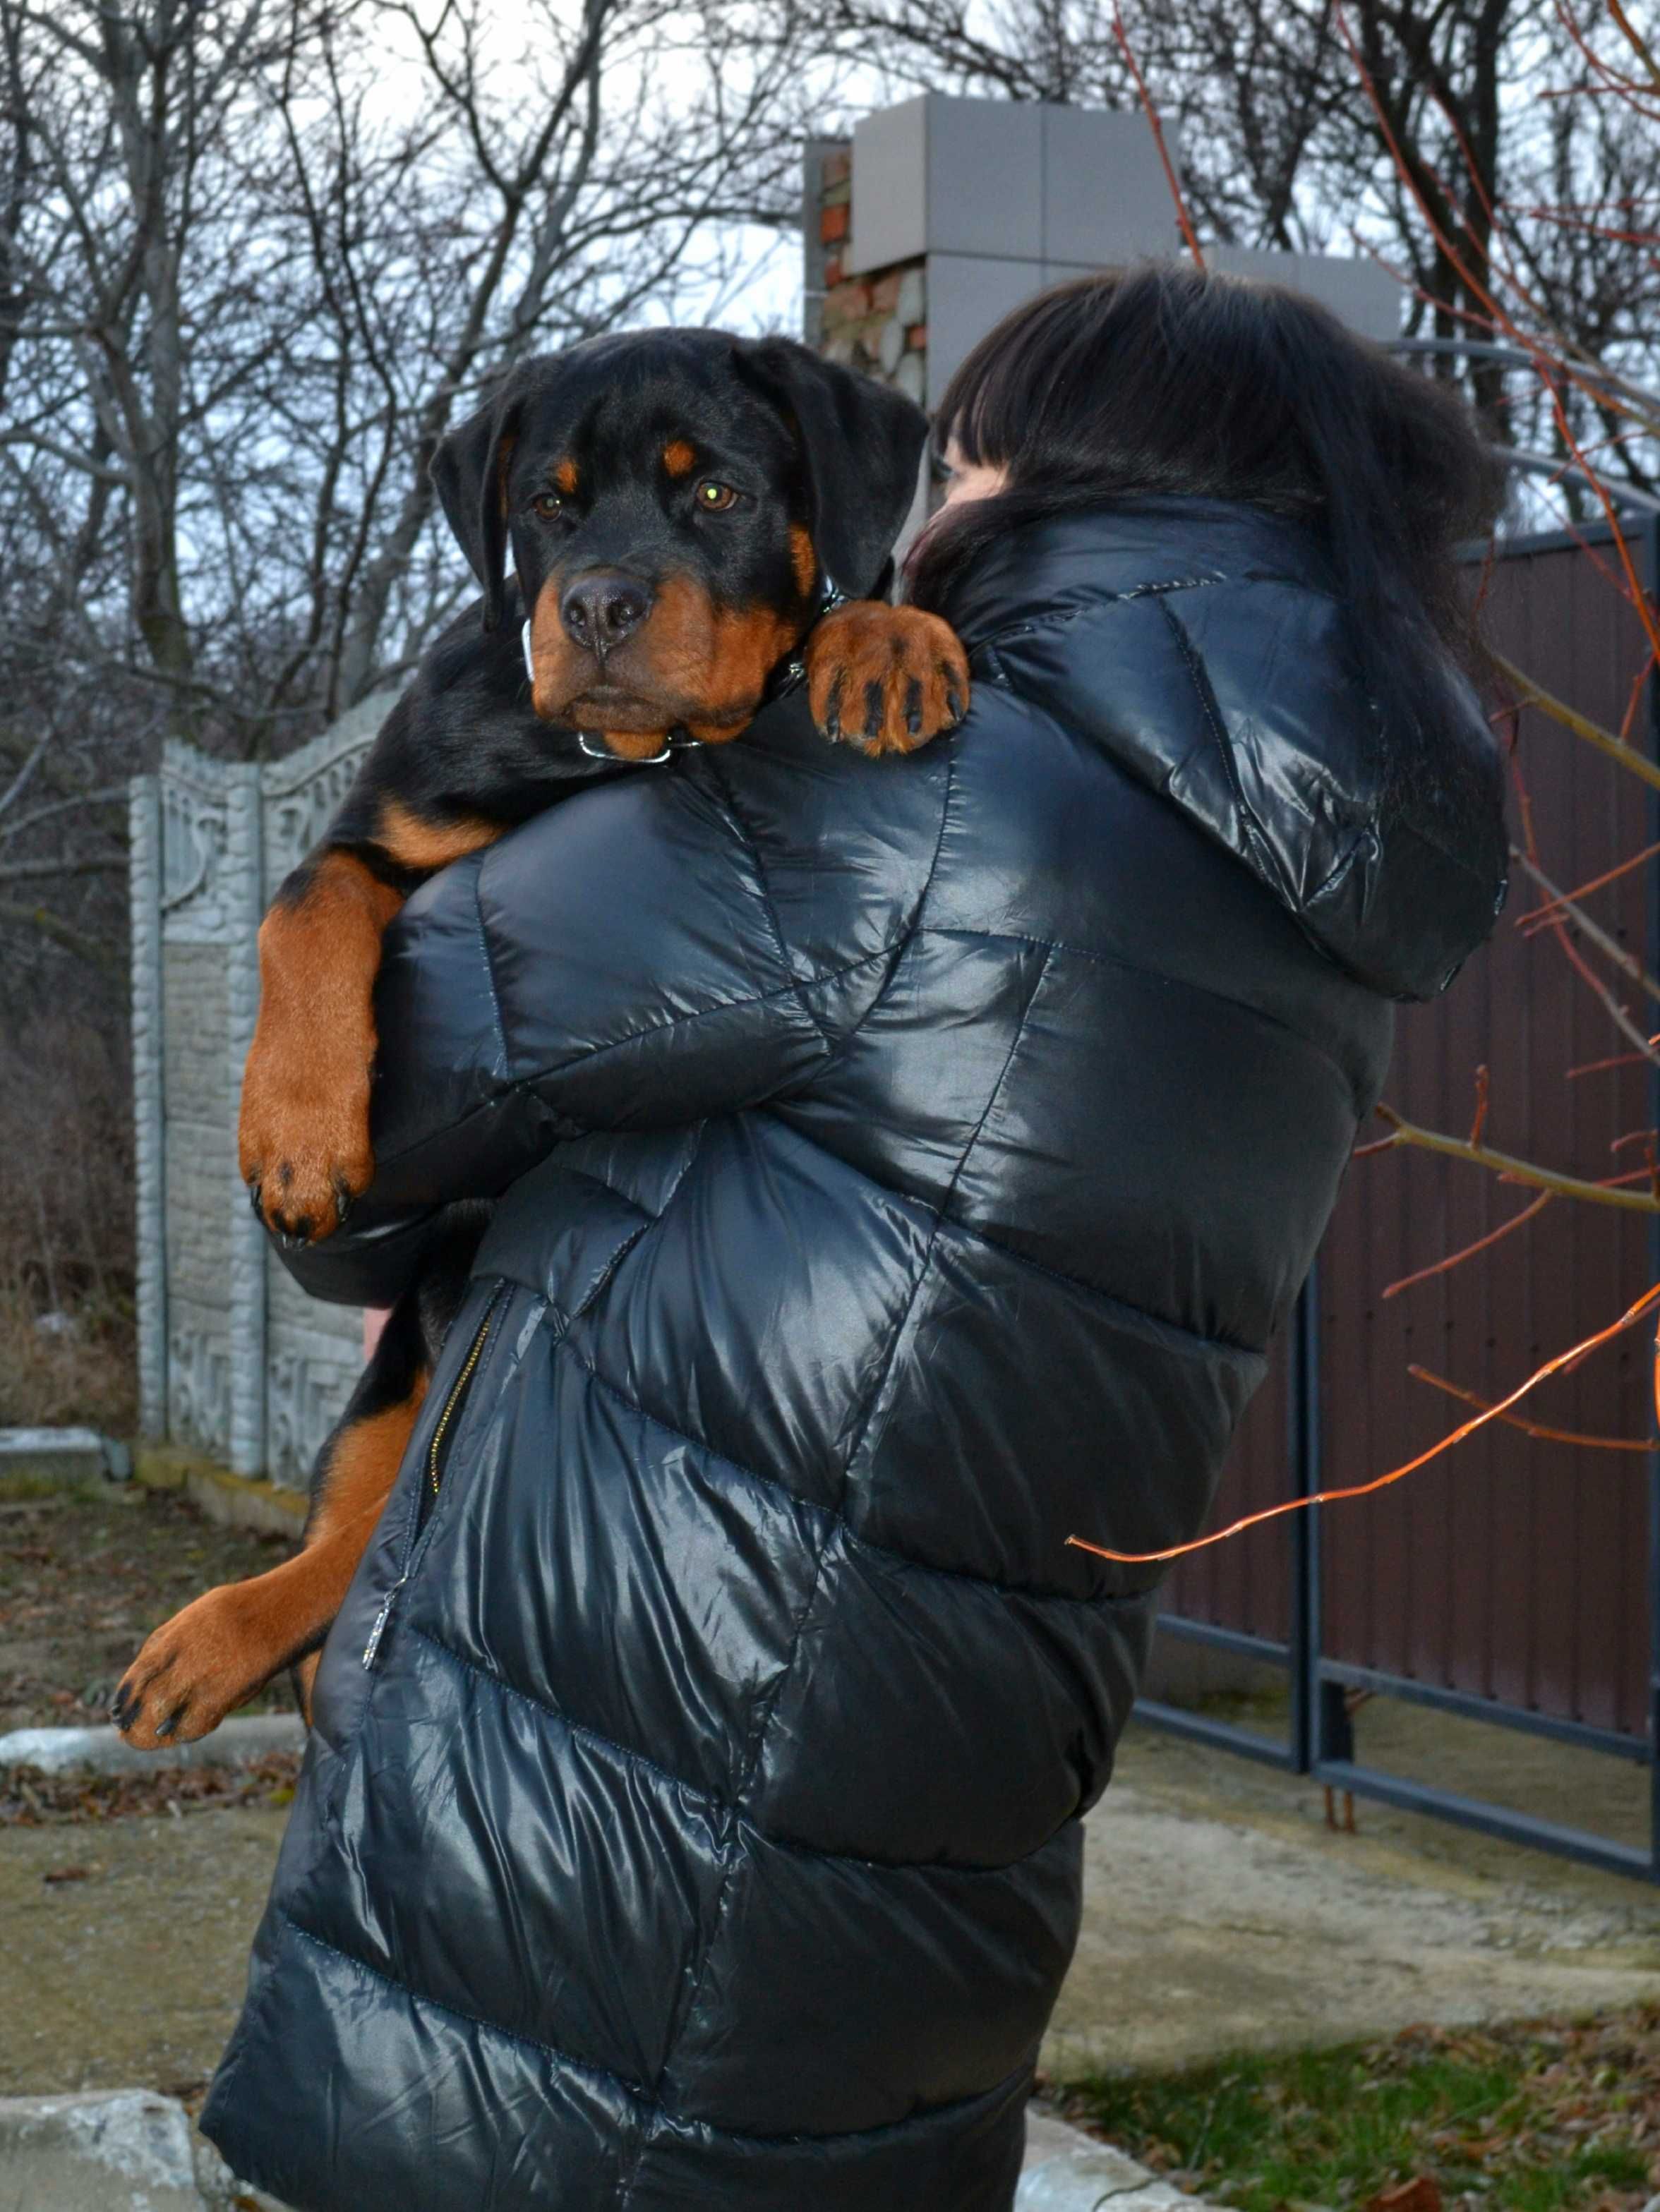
{"points": [[1535, 1428], [1481, 1121], [1632, 1314], [1469, 1251], [1530, 923], [1152, 113]]}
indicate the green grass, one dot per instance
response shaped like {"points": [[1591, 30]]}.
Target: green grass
{"points": [[1551, 2116]]}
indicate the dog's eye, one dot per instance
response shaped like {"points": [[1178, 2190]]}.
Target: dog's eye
{"points": [[549, 505], [715, 498]]}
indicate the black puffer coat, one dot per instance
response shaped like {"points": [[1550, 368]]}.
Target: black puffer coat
{"points": [[920, 1156]]}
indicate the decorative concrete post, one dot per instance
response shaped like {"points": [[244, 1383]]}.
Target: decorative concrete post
{"points": [[245, 877], [203, 902], [235, 1362], [144, 885]]}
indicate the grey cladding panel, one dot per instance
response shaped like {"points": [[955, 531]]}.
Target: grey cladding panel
{"points": [[986, 178], [890, 187], [1106, 198], [967, 295], [1363, 295]]}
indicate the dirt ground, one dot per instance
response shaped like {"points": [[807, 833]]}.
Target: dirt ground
{"points": [[86, 1575], [128, 1973], [1220, 1915]]}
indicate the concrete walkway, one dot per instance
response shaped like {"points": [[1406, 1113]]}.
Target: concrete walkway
{"points": [[1222, 1914], [132, 2150]]}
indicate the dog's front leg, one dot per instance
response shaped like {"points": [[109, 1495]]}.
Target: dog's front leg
{"points": [[303, 1141]]}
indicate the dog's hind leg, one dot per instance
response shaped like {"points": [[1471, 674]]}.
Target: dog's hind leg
{"points": [[229, 1644], [213, 1656]]}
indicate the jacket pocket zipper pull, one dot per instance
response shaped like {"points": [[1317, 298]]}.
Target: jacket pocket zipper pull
{"points": [[380, 1621], [434, 1473]]}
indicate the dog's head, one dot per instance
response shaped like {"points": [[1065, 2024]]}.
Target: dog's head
{"points": [[675, 503]]}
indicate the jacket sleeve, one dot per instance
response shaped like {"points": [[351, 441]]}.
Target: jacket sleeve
{"points": [[635, 958]]}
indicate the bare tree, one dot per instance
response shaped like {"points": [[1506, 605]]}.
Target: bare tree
{"points": [[255, 255], [1433, 133], [243, 293]]}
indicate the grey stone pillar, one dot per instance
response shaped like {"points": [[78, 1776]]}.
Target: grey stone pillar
{"points": [[234, 1362], [952, 211]]}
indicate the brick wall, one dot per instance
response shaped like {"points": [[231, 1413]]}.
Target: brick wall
{"points": [[877, 321]]}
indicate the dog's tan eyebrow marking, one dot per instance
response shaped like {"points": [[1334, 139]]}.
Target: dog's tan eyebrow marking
{"points": [[679, 457], [564, 476]]}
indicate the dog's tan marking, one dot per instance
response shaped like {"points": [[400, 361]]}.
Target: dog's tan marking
{"points": [[884, 679], [304, 1138], [803, 560], [679, 457], [690, 663], [414, 843], [565, 477]]}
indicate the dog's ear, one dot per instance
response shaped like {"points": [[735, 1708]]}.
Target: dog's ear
{"points": [[470, 472], [862, 445]]}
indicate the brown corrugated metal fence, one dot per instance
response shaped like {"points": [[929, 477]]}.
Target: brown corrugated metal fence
{"points": [[1514, 1572]]}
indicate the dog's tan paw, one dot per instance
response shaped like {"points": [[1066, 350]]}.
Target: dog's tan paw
{"points": [[885, 678], [196, 1667]]}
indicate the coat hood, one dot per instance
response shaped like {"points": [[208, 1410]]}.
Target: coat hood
{"points": [[1200, 643]]}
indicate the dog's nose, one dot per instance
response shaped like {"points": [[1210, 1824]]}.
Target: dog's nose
{"points": [[600, 611]]}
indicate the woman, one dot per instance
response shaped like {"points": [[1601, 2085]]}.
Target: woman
{"points": [[924, 1153]]}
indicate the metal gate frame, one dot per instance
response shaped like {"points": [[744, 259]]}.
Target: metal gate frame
{"points": [[1319, 1741]]}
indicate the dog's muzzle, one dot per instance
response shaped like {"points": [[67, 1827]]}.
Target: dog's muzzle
{"points": [[584, 738]]}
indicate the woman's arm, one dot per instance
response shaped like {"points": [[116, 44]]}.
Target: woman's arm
{"points": [[643, 956]]}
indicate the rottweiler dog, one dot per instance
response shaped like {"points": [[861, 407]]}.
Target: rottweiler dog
{"points": [[696, 521]]}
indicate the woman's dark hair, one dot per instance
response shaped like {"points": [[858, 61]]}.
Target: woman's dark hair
{"points": [[1165, 379]]}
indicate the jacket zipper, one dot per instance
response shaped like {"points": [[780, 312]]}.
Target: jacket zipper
{"points": [[432, 1476]]}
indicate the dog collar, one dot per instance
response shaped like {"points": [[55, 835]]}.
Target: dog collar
{"points": [[785, 677], [793, 671]]}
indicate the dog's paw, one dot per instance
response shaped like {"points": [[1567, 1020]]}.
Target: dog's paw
{"points": [[886, 679], [196, 1667], [304, 1149]]}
